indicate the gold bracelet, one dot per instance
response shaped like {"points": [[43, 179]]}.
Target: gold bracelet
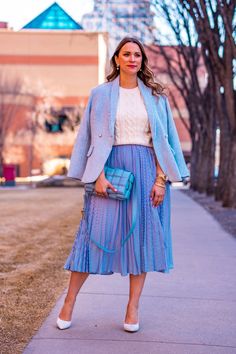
{"points": [[160, 185], [160, 180], [162, 176]]}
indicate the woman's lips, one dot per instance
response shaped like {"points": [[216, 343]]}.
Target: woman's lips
{"points": [[132, 66]]}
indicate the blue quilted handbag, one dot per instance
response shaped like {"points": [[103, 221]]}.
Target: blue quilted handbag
{"points": [[121, 179]]}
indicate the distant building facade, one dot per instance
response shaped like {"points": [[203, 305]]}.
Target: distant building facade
{"points": [[121, 18]]}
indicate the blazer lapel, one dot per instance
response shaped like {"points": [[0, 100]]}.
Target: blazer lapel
{"points": [[113, 104], [150, 104], [158, 132]]}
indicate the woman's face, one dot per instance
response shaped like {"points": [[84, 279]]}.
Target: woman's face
{"points": [[129, 59]]}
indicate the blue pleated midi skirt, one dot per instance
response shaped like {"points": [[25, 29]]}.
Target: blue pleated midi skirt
{"points": [[108, 221]]}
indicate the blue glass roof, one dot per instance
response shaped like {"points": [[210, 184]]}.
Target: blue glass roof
{"points": [[53, 18]]}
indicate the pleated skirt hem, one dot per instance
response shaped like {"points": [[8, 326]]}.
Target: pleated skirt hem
{"points": [[118, 271]]}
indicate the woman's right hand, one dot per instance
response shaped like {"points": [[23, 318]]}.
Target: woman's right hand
{"points": [[102, 184]]}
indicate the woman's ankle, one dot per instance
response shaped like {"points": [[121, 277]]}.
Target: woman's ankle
{"points": [[69, 300], [133, 305], [131, 316], [67, 310]]}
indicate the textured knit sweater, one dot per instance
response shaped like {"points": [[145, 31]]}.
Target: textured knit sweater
{"points": [[132, 124]]}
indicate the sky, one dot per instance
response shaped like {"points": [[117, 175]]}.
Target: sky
{"points": [[19, 12]]}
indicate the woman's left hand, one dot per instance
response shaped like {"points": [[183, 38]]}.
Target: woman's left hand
{"points": [[157, 195]]}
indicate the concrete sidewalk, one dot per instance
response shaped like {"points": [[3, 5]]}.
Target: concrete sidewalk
{"points": [[190, 310]]}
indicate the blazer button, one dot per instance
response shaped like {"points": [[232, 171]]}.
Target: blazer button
{"points": [[100, 135]]}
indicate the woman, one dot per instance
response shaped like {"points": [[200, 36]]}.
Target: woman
{"points": [[127, 124]]}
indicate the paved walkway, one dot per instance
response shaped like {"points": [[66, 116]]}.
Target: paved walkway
{"points": [[190, 310]]}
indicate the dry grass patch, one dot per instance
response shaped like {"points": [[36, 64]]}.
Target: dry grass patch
{"points": [[37, 231]]}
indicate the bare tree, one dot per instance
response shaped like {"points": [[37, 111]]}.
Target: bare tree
{"points": [[215, 25], [11, 97], [181, 60], [40, 115], [183, 63], [44, 117]]}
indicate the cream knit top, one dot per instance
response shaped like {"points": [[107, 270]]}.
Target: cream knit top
{"points": [[132, 124]]}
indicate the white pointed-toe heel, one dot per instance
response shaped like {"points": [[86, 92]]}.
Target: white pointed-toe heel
{"points": [[61, 324], [134, 327]]}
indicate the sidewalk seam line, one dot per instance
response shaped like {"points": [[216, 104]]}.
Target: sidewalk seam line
{"points": [[161, 296], [139, 341]]}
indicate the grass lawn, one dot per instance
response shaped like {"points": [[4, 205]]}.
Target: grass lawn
{"points": [[36, 234]]}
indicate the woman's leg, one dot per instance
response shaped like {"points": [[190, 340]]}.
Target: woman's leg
{"points": [[135, 290], [77, 279]]}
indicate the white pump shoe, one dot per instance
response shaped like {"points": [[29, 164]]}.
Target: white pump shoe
{"points": [[131, 327], [61, 324]]}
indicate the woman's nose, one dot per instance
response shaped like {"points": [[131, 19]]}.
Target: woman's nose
{"points": [[132, 57]]}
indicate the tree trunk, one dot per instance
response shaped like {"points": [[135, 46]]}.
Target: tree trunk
{"points": [[203, 132], [194, 171], [226, 184], [202, 164], [224, 141], [226, 187], [207, 161], [210, 147], [229, 197]]}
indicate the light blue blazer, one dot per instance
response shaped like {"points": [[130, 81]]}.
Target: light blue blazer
{"points": [[96, 134]]}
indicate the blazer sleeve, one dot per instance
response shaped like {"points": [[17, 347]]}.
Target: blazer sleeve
{"points": [[81, 145], [174, 142]]}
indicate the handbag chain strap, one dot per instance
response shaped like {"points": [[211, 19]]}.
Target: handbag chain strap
{"points": [[127, 237]]}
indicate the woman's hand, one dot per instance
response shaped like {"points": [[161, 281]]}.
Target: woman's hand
{"points": [[102, 184], [157, 195]]}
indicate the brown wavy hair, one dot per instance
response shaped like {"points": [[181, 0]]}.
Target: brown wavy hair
{"points": [[146, 74]]}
